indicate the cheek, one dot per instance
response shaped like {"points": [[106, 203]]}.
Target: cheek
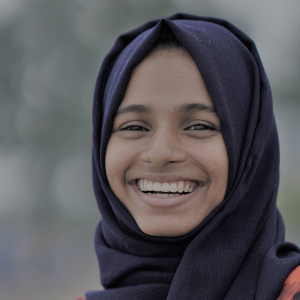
{"points": [[219, 161], [212, 155], [219, 172], [119, 157]]}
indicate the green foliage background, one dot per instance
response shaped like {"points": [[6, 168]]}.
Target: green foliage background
{"points": [[50, 54]]}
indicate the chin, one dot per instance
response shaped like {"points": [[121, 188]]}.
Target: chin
{"points": [[163, 229]]}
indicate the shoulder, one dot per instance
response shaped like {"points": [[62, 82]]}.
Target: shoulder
{"points": [[291, 287], [290, 290]]}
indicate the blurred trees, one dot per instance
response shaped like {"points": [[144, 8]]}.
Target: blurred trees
{"points": [[50, 55]]}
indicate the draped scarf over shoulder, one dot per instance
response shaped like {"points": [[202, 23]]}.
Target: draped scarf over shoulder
{"points": [[238, 251]]}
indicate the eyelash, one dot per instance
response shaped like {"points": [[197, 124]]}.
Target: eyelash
{"points": [[130, 128], [203, 126], [140, 128]]}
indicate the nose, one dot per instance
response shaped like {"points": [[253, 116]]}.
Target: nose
{"points": [[164, 148]]}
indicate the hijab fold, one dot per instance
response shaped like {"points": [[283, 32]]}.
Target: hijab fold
{"points": [[238, 250]]}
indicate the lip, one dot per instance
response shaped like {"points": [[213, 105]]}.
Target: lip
{"points": [[165, 203]]}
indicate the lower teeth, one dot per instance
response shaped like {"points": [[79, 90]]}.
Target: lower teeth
{"points": [[165, 195]]}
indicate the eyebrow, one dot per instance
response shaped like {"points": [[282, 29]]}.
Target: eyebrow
{"points": [[140, 109], [183, 108], [195, 107]]}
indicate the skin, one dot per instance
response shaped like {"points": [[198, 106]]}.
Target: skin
{"points": [[166, 130]]}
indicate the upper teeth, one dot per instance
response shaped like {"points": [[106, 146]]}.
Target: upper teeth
{"points": [[173, 187]]}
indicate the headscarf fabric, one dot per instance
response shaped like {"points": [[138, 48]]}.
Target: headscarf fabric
{"points": [[238, 250]]}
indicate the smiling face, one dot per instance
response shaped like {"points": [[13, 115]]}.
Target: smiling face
{"points": [[166, 159]]}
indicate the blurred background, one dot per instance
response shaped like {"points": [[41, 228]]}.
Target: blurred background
{"points": [[50, 54]]}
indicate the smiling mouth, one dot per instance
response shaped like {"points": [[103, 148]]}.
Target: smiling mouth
{"points": [[166, 189]]}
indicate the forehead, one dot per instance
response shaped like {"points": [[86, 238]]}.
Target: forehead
{"points": [[166, 78]]}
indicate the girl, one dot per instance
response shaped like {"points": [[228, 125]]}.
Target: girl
{"points": [[186, 168]]}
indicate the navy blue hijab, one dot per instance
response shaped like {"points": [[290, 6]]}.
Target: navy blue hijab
{"points": [[238, 251]]}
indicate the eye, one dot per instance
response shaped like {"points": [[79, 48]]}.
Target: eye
{"points": [[200, 127], [134, 128]]}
